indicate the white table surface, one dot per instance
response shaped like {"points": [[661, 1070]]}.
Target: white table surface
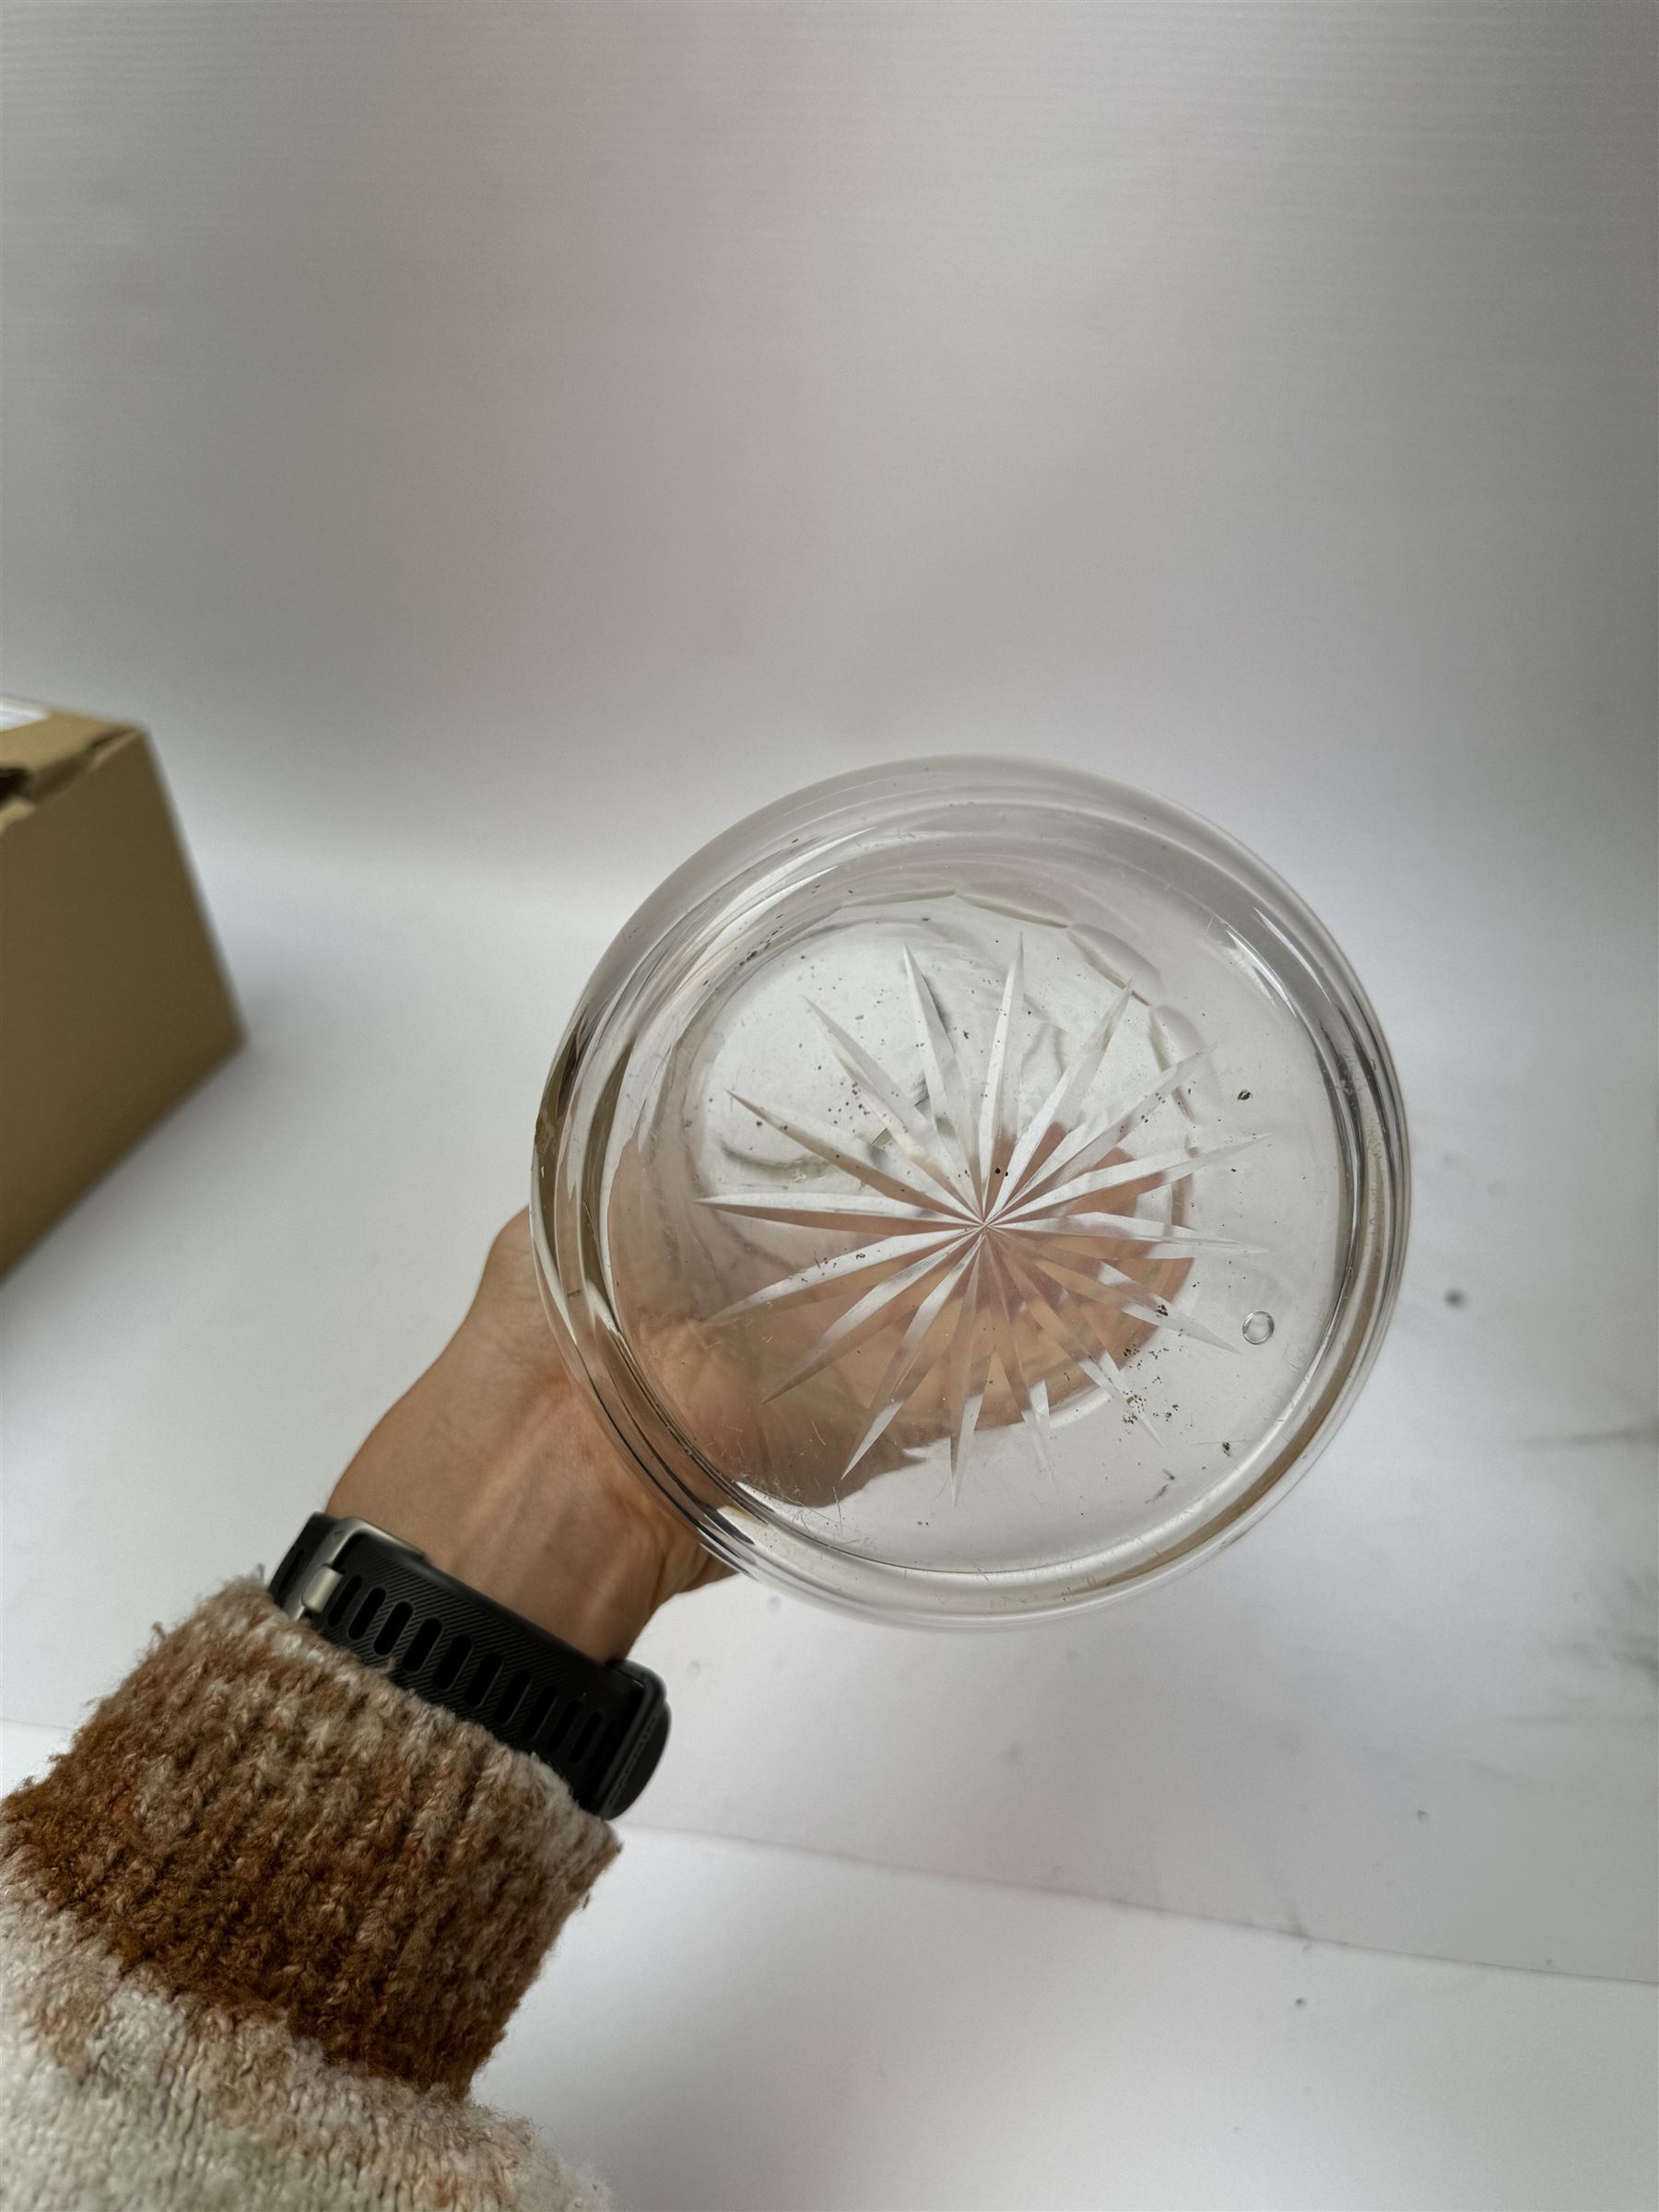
{"points": [[739, 2027], [1412, 1710]]}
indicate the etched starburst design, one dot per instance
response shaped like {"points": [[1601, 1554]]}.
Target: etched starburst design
{"points": [[986, 1246]]}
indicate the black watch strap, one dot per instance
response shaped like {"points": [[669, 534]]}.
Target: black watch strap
{"points": [[601, 1727]]}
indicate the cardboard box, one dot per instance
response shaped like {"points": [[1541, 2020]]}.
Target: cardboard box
{"points": [[112, 1001]]}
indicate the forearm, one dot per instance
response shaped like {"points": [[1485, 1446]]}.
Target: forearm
{"points": [[263, 1919], [270, 1911]]}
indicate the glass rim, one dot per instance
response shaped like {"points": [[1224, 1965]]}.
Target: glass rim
{"points": [[759, 859]]}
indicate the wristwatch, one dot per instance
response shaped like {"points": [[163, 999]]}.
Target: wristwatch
{"points": [[602, 1726]]}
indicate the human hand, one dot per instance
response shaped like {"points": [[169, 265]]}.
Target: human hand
{"points": [[496, 1467]]}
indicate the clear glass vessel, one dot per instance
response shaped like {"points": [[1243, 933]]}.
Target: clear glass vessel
{"points": [[971, 1189]]}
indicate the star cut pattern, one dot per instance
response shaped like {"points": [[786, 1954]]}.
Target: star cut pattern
{"points": [[971, 1223]]}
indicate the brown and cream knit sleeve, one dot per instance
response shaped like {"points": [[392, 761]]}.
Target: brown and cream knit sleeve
{"points": [[260, 1925]]}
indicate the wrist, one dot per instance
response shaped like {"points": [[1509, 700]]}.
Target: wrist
{"points": [[516, 1501], [495, 1466], [554, 1562], [600, 1724]]}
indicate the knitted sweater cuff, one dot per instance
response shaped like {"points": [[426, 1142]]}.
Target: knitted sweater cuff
{"points": [[277, 1830]]}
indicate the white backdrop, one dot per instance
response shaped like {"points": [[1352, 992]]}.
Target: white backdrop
{"points": [[494, 446]]}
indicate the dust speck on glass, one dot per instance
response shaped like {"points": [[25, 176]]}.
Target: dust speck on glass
{"points": [[971, 1189]]}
